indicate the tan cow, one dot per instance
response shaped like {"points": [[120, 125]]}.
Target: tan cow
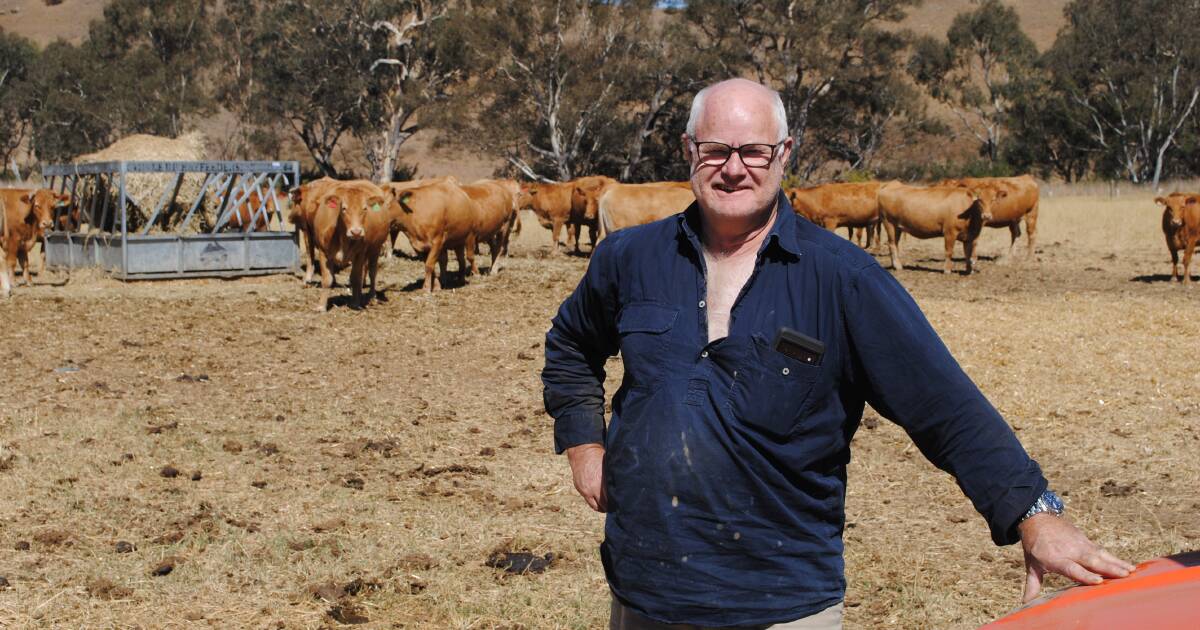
{"points": [[585, 207], [1020, 202], [437, 217], [1181, 226], [626, 205], [955, 214], [304, 207], [349, 229], [28, 213], [395, 188], [497, 212], [251, 215], [551, 203], [848, 205]]}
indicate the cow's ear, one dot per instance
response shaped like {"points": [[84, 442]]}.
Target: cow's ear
{"points": [[64, 198], [26, 198], [375, 204], [1000, 194], [403, 201], [1160, 201], [296, 194], [333, 202], [1193, 200]]}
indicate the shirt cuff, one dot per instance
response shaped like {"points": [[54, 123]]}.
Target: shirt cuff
{"points": [[1012, 509], [581, 427]]}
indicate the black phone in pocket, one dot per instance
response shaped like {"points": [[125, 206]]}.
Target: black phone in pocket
{"points": [[799, 346]]}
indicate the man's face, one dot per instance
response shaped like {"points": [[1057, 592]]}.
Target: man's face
{"points": [[737, 117]]}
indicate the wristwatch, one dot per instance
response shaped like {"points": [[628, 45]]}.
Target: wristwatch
{"points": [[1048, 502]]}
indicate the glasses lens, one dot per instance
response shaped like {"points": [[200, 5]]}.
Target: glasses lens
{"points": [[756, 154], [712, 152]]}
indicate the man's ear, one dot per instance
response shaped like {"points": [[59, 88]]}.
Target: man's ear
{"points": [[786, 151]]}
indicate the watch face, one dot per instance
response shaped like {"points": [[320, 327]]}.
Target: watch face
{"points": [[1052, 500]]}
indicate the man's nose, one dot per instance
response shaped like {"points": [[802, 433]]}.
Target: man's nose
{"points": [[734, 167]]}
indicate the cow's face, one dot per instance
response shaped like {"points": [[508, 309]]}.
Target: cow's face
{"points": [[525, 197], [585, 202], [42, 204], [987, 197], [353, 207], [1176, 206]]}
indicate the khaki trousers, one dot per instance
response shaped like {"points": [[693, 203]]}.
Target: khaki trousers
{"points": [[622, 618]]}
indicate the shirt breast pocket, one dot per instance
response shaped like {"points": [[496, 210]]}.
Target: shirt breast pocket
{"points": [[771, 390], [644, 327]]}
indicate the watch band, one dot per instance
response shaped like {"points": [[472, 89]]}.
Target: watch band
{"points": [[1047, 502]]}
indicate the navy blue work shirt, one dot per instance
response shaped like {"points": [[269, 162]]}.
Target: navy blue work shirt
{"points": [[725, 466]]}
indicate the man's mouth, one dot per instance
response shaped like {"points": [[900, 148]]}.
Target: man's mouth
{"points": [[729, 190]]}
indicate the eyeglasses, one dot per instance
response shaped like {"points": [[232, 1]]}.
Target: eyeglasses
{"points": [[718, 153]]}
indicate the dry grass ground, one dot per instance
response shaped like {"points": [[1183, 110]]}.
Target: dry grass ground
{"points": [[359, 466]]}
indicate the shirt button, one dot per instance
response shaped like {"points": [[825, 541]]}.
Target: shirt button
{"points": [[786, 371], [701, 303], [704, 354]]}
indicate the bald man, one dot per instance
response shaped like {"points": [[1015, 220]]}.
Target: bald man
{"points": [[751, 342]]}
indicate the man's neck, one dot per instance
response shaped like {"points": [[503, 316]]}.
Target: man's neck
{"points": [[730, 239]]}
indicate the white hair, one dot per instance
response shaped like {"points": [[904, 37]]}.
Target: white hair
{"points": [[777, 110]]}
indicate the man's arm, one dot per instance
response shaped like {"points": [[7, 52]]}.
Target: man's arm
{"points": [[581, 338], [908, 375]]}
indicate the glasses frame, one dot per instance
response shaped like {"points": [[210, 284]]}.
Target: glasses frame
{"points": [[738, 150]]}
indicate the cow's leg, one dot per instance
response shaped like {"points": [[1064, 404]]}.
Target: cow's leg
{"points": [[969, 252], [893, 233], [471, 250], [951, 235], [1174, 260], [434, 260], [1031, 231], [1188, 250], [555, 228], [312, 257], [1014, 233], [326, 282], [356, 280], [5, 280], [372, 270], [23, 257], [592, 228], [466, 261], [573, 236]]}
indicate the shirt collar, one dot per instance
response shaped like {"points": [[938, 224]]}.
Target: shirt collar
{"points": [[782, 232]]}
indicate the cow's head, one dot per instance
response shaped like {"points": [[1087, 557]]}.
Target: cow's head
{"points": [[987, 196], [525, 196], [353, 207], [1176, 205], [42, 204]]}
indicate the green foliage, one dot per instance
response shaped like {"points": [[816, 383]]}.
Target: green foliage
{"points": [[17, 58], [981, 68], [1129, 77]]}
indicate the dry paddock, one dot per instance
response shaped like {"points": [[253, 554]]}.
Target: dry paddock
{"points": [[363, 466]]}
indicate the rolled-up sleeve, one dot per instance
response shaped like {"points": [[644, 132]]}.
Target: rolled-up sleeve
{"points": [[907, 374], [582, 337]]}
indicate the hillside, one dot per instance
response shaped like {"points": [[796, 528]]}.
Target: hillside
{"points": [[43, 24], [69, 20]]}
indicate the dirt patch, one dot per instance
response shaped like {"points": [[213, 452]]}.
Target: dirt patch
{"points": [[104, 588]]}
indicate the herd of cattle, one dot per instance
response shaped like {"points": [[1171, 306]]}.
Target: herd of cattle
{"points": [[350, 224]]}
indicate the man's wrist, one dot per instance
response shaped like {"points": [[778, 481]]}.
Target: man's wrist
{"points": [[1046, 503]]}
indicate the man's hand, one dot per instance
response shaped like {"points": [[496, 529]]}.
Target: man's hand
{"points": [[1056, 546], [587, 470]]}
